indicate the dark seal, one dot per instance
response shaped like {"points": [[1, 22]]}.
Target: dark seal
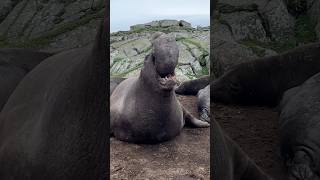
{"points": [[145, 109], [228, 159], [114, 82], [263, 81], [54, 125], [201, 88], [14, 65], [192, 87], [300, 130]]}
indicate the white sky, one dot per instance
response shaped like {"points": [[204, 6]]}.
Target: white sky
{"points": [[124, 13]]}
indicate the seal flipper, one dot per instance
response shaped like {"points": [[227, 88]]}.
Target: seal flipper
{"points": [[192, 87], [191, 120]]}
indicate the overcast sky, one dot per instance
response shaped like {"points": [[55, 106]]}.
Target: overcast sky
{"points": [[124, 13]]}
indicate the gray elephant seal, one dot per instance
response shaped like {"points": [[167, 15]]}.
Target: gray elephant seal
{"points": [[263, 81], [145, 109], [203, 102], [192, 87], [54, 125], [14, 65], [228, 160], [201, 88], [114, 82], [300, 130]]}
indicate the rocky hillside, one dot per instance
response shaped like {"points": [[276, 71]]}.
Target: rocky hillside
{"points": [[248, 29], [48, 24], [128, 48]]}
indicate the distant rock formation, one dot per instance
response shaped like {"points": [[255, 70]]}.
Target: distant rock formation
{"points": [[162, 23], [128, 48]]}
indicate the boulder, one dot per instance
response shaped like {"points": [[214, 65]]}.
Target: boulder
{"points": [[314, 14], [137, 27], [279, 22], [168, 23], [185, 24]]}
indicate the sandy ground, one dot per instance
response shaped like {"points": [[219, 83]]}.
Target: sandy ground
{"points": [[187, 157], [255, 129]]}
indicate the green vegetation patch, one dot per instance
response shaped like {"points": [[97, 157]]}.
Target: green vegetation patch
{"points": [[304, 33], [304, 30], [48, 37], [276, 46]]}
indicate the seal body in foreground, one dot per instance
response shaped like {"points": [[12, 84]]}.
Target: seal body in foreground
{"points": [[228, 159], [300, 130], [263, 81], [54, 125], [145, 109], [14, 65]]}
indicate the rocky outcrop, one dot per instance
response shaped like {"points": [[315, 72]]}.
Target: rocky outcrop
{"points": [[47, 22], [260, 20], [314, 13], [250, 29], [161, 23], [128, 49]]}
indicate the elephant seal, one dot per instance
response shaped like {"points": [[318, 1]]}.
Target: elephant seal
{"points": [[192, 87], [114, 82], [300, 130], [145, 109], [14, 65], [229, 162], [201, 88], [54, 125], [203, 101], [263, 81]]}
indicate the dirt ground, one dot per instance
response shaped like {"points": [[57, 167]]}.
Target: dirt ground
{"points": [[255, 129], [186, 157]]}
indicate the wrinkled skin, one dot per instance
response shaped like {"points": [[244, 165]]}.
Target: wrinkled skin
{"points": [[165, 54], [299, 130], [14, 65], [229, 161], [263, 81], [145, 109], [54, 123]]}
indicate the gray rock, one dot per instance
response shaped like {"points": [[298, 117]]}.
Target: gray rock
{"points": [[23, 19], [11, 18], [227, 54], [260, 19], [153, 24], [137, 27], [78, 37], [222, 31], [244, 25], [5, 8], [129, 51], [314, 14], [279, 22], [168, 23], [185, 24]]}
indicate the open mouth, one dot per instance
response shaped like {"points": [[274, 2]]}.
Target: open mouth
{"points": [[167, 81]]}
